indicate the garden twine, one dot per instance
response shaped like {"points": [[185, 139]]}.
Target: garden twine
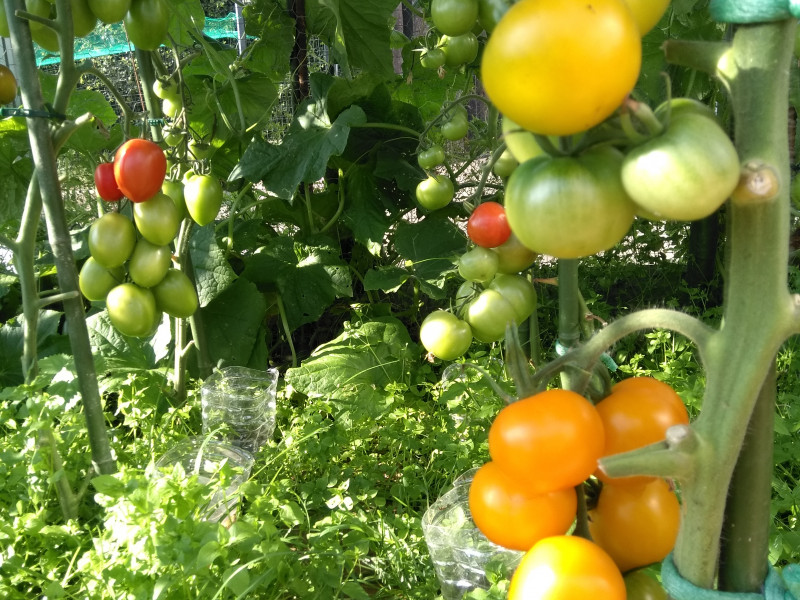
{"points": [[783, 585]]}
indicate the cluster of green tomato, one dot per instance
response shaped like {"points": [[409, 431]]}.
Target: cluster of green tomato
{"points": [[130, 267], [172, 106], [146, 21]]}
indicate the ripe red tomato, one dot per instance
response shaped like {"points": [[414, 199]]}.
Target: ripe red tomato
{"points": [[139, 169], [551, 440], [105, 184], [636, 524], [487, 226], [512, 515], [638, 412], [566, 567]]}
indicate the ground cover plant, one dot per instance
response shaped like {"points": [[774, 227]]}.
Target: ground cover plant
{"points": [[372, 198]]}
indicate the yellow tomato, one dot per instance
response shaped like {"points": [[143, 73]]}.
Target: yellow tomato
{"points": [[647, 13], [558, 68]]}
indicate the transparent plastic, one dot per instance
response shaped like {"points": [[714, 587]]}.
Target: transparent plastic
{"points": [[459, 551], [238, 406]]}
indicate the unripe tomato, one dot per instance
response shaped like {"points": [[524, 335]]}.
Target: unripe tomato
{"points": [[432, 58], [490, 12], [132, 310], [459, 49], [95, 281], [111, 240], [445, 335], [149, 263], [488, 315], [647, 13], [172, 135], [487, 226], [171, 107], [146, 23], [636, 524], [203, 196], [518, 292], [478, 264], [569, 207], [110, 11], [512, 515], [435, 192], [505, 164], [455, 128], [46, 38], [566, 568], [200, 149], [105, 184], [559, 68], [157, 219], [139, 169], [514, 256], [641, 586], [174, 189], [166, 88], [175, 295], [83, 19], [454, 17], [552, 440], [431, 157], [8, 85]]}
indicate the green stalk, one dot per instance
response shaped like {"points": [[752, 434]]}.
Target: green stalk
{"points": [[44, 157], [24, 249], [147, 74], [569, 329]]}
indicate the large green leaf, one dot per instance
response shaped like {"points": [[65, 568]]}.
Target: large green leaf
{"points": [[114, 351], [365, 213], [212, 272], [11, 345], [273, 29], [187, 16]]}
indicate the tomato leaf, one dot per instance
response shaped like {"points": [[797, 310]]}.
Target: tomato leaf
{"points": [[212, 272]]}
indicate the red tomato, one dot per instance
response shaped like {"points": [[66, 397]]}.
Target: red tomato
{"points": [[105, 184], [636, 524], [638, 412], [566, 567], [139, 168], [512, 515], [487, 225], [552, 440]]}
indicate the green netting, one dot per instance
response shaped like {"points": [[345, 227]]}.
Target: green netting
{"points": [[112, 39]]}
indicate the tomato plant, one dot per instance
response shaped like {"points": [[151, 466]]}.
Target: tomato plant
{"points": [[459, 49], [541, 52], [175, 295], [157, 219], [561, 567], [435, 192], [105, 184], [112, 238], [518, 292], [431, 157], [685, 173], [514, 256], [454, 17], [478, 264], [487, 226], [203, 197], [444, 335], [488, 314], [95, 281], [636, 524], [110, 11], [132, 310], [552, 439], [8, 85], [512, 515], [638, 412], [149, 263], [139, 169], [569, 207], [146, 23]]}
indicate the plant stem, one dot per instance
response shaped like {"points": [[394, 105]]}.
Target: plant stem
{"points": [[569, 329]]}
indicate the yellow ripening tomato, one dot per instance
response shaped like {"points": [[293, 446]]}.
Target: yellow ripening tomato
{"points": [[558, 68], [647, 13]]}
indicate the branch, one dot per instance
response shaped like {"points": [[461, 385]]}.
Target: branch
{"points": [[709, 57]]}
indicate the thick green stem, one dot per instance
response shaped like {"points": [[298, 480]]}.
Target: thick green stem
{"points": [[45, 160], [569, 328], [745, 536], [24, 251], [147, 74]]}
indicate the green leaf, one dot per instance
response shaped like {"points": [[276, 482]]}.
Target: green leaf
{"points": [[237, 579], [386, 278], [114, 351], [365, 213], [92, 138], [232, 322], [109, 485], [353, 589], [11, 345], [188, 15], [212, 272]]}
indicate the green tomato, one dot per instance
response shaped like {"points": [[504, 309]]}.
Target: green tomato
{"points": [[171, 107], [46, 38], [172, 135], [488, 316], [641, 586], [166, 88], [83, 19], [157, 219], [569, 207], [431, 157], [478, 264], [490, 11], [199, 149], [132, 310], [435, 192], [684, 174], [432, 58], [514, 256], [40, 8], [147, 22], [95, 281], [110, 11], [174, 189], [175, 295], [459, 49], [203, 195], [445, 335], [518, 291], [456, 128], [112, 238], [149, 263], [454, 17], [505, 164]]}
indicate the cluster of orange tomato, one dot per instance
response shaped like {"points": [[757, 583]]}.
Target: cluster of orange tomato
{"points": [[542, 449]]}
